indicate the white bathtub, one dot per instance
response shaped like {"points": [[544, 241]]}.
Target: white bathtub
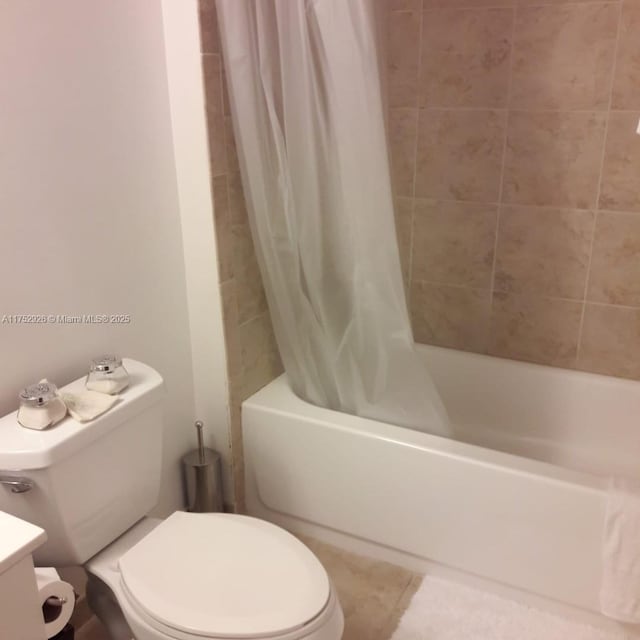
{"points": [[521, 501]]}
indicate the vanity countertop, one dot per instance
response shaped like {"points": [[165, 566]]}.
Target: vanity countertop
{"points": [[18, 538]]}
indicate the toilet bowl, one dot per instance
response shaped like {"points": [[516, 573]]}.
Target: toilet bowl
{"points": [[193, 576], [213, 576]]}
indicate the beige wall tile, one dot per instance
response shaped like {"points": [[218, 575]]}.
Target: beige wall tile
{"points": [[237, 446], [404, 225], [215, 119], [550, 2], [259, 352], [553, 158], [621, 172], [611, 341], [453, 242], [222, 223], [404, 5], [562, 73], [455, 317], [535, 329], [209, 37], [217, 151], [237, 205], [403, 129], [403, 58], [460, 154], [236, 390], [615, 264], [563, 56], [465, 57], [250, 292], [429, 4], [543, 251], [239, 492], [235, 414], [230, 145], [230, 326], [212, 77], [225, 94], [626, 87]]}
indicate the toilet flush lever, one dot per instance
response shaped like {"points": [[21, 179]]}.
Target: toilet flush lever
{"points": [[17, 485]]}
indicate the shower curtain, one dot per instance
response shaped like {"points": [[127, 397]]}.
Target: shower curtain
{"points": [[305, 95]]}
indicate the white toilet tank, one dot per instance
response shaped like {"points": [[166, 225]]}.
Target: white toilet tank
{"points": [[91, 481]]}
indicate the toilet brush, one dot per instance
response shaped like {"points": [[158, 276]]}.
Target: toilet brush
{"points": [[201, 455], [203, 477]]}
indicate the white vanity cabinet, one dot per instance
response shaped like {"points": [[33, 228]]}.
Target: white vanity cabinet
{"points": [[20, 612]]}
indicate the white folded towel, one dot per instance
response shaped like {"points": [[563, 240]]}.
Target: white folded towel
{"points": [[620, 591], [87, 405]]}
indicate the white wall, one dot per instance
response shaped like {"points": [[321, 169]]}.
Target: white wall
{"points": [[89, 206], [191, 152]]}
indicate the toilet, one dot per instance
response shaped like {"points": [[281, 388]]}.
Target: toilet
{"points": [[191, 576]]}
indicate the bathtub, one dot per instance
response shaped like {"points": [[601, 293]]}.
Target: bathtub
{"points": [[518, 498]]}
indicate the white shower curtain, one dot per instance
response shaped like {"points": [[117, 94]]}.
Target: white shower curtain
{"points": [[304, 85]]}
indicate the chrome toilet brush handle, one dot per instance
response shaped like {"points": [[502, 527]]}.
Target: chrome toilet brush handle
{"points": [[201, 456]]}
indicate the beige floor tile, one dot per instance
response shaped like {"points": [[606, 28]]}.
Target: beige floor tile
{"points": [[373, 594], [401, 606], [93, 630]]}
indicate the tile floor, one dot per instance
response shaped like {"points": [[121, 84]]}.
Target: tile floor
{"points": [[373, 594]]}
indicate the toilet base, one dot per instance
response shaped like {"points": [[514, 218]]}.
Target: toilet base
{"points": [[107, 599], [106, 608]]}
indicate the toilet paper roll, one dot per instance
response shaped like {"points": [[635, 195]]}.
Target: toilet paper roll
{"points": [[56, 598]]}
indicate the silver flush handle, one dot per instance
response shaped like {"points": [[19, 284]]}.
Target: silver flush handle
{"points": [[17, 485]]}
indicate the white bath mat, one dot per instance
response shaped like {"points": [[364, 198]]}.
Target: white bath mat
{"points": [[443, 610]]}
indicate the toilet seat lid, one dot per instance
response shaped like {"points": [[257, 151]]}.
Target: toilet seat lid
{"points": [[224, 575]]}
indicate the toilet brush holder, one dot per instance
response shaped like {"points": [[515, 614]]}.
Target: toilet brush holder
{"points": [[203, 477]]}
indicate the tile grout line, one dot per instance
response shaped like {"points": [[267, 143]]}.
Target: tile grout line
{"points": [[600, 176], [504, 163], [515, 110], [475, 7], [525, 205], [537, 295], [253, 318]]}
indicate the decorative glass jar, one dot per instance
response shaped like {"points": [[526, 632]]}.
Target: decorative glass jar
{"points": [[107, 375], [40, 406]]}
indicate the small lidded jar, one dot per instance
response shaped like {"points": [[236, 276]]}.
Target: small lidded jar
{"points": [[107, 375], [40, 406]]}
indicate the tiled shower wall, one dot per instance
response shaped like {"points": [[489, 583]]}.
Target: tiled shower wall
{"points": [[517, 176], [252, 354]]}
